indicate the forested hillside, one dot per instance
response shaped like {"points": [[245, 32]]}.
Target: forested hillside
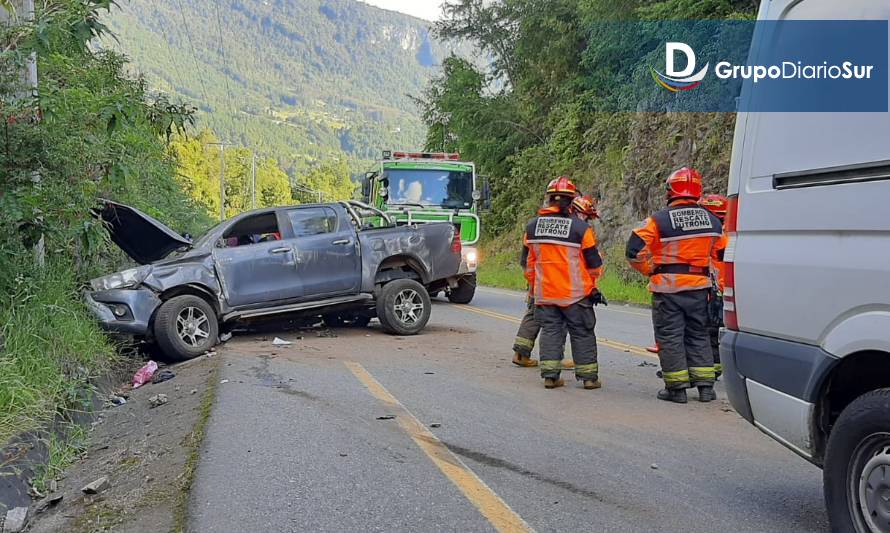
{"points": [[302, 81], [551, 114]]}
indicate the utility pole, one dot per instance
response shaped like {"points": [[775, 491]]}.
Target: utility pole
{"points": [[15, 11], [222, 178]]}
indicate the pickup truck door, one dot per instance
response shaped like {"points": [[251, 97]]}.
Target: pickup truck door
{"points": [[327, 250], [263, 272]]}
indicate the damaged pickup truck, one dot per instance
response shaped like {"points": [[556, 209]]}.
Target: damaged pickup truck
{"points": [[346, 262]]}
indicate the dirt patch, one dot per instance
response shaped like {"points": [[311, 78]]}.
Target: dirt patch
{"points": [[148, 455]]}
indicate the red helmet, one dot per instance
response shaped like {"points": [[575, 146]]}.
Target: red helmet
{"points": [[585, 205], [562, 186], [684, 183], [715, 203]]}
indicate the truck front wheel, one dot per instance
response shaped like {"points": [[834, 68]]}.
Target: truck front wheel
{"points": [[185, 327], [857, 466], [403, 307], [465, 290]]}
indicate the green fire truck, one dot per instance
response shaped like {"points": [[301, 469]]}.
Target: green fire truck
{"points": [[420, 187]]}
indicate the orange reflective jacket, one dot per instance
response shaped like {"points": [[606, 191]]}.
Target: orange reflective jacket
{"points": [[719, 265], [560, 258], [676, 247]]}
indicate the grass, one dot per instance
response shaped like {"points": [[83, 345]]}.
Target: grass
{"points": [[64, 448], [49, 349], [193, 444], [502, 270]]}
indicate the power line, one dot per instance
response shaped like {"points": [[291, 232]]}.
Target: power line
{"points": [[188, 34], [224, 54]]}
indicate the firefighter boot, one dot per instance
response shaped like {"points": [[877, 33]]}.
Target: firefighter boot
{"points": [[706, 393], [524, 360], [591, 384], [673, 395], [553, 383]]}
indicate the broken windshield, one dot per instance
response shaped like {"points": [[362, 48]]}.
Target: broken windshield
{"points": [[452, 189]]}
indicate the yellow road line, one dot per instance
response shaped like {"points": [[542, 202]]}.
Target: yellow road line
{"points": [[492, 507], [639, 350]]}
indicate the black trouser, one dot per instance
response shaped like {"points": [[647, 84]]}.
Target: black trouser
{"points": [[716, 322], [684, 345], [528, 331], [580, 321]]}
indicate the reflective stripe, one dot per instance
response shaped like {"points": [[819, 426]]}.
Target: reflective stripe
{"points": [[702, 372], [521, 341], [683, 237], [680, 376], [587, 370], [551, 365], [718, 368], [539, 273], [558, 243]]}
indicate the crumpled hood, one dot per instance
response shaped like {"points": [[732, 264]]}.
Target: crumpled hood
{"points": [[142, 237]]}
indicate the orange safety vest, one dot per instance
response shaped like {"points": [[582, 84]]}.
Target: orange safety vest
{"points": [[560, 257], [718, 265], [676, 247]]}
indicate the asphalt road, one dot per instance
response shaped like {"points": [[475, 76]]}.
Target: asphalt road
{"points": [[296, 441]]}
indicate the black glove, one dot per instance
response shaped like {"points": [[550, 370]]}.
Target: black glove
{"points": [[597, 298]]}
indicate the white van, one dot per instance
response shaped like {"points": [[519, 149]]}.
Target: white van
{"points": [[806, 346]]}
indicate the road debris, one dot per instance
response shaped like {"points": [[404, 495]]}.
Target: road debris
{"points": [[117, 400], [343, 455], [435, 425], [96, 486], [162, 376], [223, 381], [278, 341], [193, 391], [144, 374], [158, 400], [386, 417], [429, 373], [654, 466], [49, 502], [646, 363], [225, 337], [15, 520], [326, 333]]}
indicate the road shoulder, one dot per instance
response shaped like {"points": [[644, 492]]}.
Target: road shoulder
{"points": [[147, 454]]}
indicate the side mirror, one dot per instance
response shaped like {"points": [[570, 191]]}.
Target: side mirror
{"points": [[486, 193]]}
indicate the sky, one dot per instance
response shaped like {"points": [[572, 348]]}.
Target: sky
{"points": [[425, 9]]}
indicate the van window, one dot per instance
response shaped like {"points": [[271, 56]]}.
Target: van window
{"points": [[313, 221]]}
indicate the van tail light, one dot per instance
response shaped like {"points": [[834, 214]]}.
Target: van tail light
{"points": [[455, 241], [730, 311]]}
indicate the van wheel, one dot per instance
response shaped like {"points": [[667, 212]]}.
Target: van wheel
{"points": [[856, 473], [403, 307], [185, 327], [465, 290]]}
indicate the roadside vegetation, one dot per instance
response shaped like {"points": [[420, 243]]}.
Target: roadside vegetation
{"points": [[90, 131], [546, 105]]}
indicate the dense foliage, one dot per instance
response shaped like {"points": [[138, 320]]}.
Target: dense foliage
{"points": [[301, 81], [89, 131], [538, 111]]}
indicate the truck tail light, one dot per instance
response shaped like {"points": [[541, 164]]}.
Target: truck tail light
{"points": [[730, 310], [455, 241]]}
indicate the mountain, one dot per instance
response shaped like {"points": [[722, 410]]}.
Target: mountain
{"points": [[298, 80]]}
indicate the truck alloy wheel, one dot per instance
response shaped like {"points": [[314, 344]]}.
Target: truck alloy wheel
{"points": [[408, 307], [192, 326], [403, 307], [185, 327]]}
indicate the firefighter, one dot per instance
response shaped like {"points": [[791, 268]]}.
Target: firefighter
{"points": [[717, 205], [584, 207], [675, 248], [562, 264]]}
